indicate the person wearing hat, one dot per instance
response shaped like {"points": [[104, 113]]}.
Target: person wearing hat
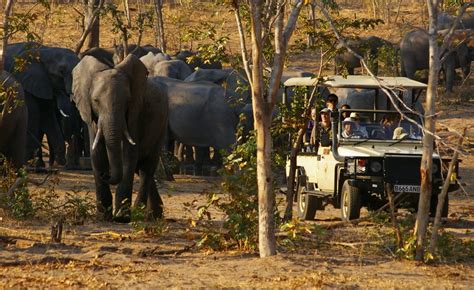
{"points": [[360, 130], [399, 133], [325, 134], [351, 127]]}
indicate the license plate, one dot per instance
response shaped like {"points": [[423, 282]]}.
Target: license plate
{"points": [[407, 188]]}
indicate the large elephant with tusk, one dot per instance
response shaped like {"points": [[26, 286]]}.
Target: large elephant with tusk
{"points": [[127, 119], [45, 74]]}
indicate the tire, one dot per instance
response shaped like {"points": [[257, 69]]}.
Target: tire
{"points": [[434, 204], [350, 202], [306, 204]]}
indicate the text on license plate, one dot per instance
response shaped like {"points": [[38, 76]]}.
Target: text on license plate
{"points": [[407, 188]]}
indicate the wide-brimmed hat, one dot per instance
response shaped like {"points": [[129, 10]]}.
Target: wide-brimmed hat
{"points": [[348, 120], [354, 116], [399, 133]]}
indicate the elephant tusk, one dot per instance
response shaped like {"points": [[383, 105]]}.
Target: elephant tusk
{"points": [[97, 137], [129, 138], [63, 114]]}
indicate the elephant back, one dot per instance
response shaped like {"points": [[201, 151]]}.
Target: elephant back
{"points": [[199, 114]]}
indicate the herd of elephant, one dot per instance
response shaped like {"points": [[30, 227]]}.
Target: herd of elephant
{"points": [[121, 113], [128, 110], [413, 51]]}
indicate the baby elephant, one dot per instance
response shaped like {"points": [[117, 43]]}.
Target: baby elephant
{"points": [[127, 118]]}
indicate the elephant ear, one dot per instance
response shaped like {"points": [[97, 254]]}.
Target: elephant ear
{"points": [[33, 76], [82, 81], [137, 74]]}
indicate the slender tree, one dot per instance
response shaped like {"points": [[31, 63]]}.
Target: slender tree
{"points": [[160, 27], [6, 32], [91, 28], [266, 17]]}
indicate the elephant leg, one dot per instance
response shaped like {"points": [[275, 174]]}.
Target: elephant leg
{"points": [[39, 162], [102, 189], [55, 138], [450, 72], [154, 202], [123, 196], [148, 191], [201, 153], [33, 135], [52, 153], [217, 158], [16, 146]]}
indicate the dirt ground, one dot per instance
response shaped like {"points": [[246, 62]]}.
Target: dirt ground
{"points": [[109, 255]]}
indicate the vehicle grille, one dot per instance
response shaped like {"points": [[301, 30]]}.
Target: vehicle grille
{"points": [[402, 169]]}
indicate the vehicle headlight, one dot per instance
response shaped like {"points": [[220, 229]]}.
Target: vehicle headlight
{"points": [[361, 166], [375, 166]]}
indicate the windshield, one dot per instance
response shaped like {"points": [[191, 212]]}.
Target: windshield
{"points": [[358, 125]]}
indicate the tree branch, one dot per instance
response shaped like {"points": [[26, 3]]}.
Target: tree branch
{"points": [[243, 45], [88, 29]]}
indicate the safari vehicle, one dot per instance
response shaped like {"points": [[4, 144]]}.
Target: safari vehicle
{"points": [[359, 169]]}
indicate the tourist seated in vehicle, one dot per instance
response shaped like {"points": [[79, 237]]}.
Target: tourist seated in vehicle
{"points": [[389, 122], [345, 114], [399, 133], [358, 131], [352, 129], [310, 127], [331, 102], [325, 133]]}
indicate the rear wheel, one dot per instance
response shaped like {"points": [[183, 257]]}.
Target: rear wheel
{"points": [[306, 203], [350, 202]]}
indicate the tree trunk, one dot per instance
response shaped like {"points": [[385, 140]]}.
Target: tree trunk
{"points": [[93, 39], [427, 158], [160, 28], [442, 195], [6, 15], [266, 195], [262, 111]]}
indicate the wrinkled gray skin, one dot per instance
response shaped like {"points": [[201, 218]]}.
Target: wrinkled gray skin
{"points": [[110, 57], [175, 69], [237, 88], [414, 50], [237, 92], [199, 113], [366, 47], [121, 107], [47, 82], [13, 124], [365, 99], [446, 20], [150, 59]]}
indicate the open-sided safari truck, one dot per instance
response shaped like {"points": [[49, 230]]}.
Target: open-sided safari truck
{"points": [[382, 153]]}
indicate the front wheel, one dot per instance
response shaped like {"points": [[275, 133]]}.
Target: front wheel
{"points": [[350, 202]]}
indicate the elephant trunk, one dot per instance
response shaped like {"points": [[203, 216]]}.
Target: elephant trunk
{"points": [[113, 136]]}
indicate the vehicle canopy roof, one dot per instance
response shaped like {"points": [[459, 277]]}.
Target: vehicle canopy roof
{"points": [[356, 81]]}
